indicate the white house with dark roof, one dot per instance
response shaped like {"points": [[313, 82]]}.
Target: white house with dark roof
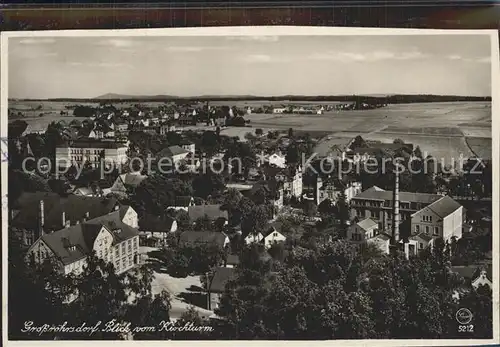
{"points": [[126, 181], [194, 238], [362, 231], [275, 159], [217, 284], [253, 238], [272, 236], [422, 240], [182, 203], [155, 228], [188, 146], [108, 236], [173, 155], [474, 277], [381, 241], [440, 219], [213, 212]]}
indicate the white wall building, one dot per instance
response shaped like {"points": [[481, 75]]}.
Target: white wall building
{"points": [[91, 151], [111, 239], [441, 219]]}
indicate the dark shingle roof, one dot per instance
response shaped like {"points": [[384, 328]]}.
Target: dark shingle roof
{"points": [[444, 206], [375, 193], [82, 236], [466, 272], [221, 277], [183, 201], [171, 151], [423, 236], [232, 259], [202, 237], [472, 272], [155, 224], [132, 179], [383, 236], [74, 206], [212, 211]]}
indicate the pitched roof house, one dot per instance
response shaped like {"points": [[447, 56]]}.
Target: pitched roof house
{"points": [[128, 180], [75, 208], [217, 285], [194, 238], [72, 245], [475, 275], [213, 212], [182, 203], [251, 238], [272, 236], [175, 153]]}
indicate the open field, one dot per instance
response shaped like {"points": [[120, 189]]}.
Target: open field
{"points": [[481, 146], [260, 103], [440, 128]]}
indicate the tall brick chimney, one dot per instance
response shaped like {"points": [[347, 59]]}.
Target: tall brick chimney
{"points": [[395, 209], [41, 218]]}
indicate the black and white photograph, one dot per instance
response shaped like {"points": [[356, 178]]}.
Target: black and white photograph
{"points": [[241, 183]]}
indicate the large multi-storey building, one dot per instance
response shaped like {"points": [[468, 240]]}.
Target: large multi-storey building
{"points": [[432, 214], [109, 236], [91, 151], [332, 190]]}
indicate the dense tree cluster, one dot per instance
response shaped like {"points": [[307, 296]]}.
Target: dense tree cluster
{"points": [[185, 260], [338, 292], [41, 294]]}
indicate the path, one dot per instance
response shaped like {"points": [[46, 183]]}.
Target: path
{"points": [[175, 286]]}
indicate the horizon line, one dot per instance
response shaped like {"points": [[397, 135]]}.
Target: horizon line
{"points": [[117, 96]]}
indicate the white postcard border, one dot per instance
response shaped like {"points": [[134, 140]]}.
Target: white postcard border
{"points": [[257, 32]]}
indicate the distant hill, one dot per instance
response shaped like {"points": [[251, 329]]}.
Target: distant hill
{"points": [[372, 99], [112, 96]]}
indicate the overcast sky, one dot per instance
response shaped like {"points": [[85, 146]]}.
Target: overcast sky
{"points": [[85, 67]]}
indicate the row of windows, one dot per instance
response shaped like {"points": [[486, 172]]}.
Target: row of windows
{"points": [[356, 237], [124, 263], [131, 243], [427, 218], [87, 151], [376, 214], [76, 266], [387, 203], [88, 158], [427, 229]]}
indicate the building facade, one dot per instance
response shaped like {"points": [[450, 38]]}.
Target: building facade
{"points": [[69, 248], [434, 215], [91, 151]]}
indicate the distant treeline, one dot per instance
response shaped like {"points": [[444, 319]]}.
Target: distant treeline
{"points": [[390, 99]]}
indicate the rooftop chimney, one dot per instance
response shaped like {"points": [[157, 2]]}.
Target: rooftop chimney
{"points": [[87, 215], [117, 207], [64, 219]]}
